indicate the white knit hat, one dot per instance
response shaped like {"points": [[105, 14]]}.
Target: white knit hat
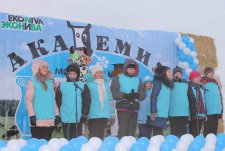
{"points": [[36, 65], [96, 68]]}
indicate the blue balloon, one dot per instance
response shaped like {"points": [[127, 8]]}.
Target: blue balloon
{"points": [[221, 136], [182, 57], [220, 143], [144, 141], [200, 140], [184, 76], [111, 140], [194, 146], [190, 59], [34, 143], [190, 46], [76, 144], [67, 147], [185, 39], [43, 141], [106, 147], [82, 139], [172, 139], [2, 143], [193, 66], [26, 148], [137, 147], [165, 146]]}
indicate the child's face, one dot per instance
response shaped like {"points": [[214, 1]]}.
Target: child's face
{"points": [[196, 80], [43, 69], [210, 75], [131, 71], [169, 74], [98, 74], [72, 75], [177, 75], [148, 85]]}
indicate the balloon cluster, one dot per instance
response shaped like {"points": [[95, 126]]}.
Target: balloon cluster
{"points": [[127, 143], [186, 54]]}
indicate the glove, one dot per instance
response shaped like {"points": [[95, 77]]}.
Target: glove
{"points": [[83, 119], [134, 95], [126, 96], [57, 120], [112, 121], [33, 120], [220, 116]]}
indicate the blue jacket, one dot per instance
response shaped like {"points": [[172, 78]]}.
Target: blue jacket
{"points": [[212, 98], [71, 101], [44, 106], [144, 109], [95, 108], [160, 98], [179, 104]]}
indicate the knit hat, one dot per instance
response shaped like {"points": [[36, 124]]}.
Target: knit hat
{"points": [[132, 65], [36, 65], [177, 69], [208, 70], [193, 75], [73, 67], [96, 68], [146, 79]]}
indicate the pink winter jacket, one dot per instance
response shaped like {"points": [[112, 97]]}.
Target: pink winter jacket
{"points": [[30, 106]]}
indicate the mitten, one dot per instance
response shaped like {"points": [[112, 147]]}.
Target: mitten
{"points": [[33, 120]]}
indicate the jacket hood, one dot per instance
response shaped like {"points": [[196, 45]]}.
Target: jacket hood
{"points": [[127, 62]]}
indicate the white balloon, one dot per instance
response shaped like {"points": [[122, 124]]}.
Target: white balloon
{"points": [[128, 141], [177, 41], [5, 149], [187, 138], [186, 52], [182, 45], [153, 147], [63, 141], [54, 144], [196, 61], [132, 139], [185, 65], [121, 146], [211, 138], [182, 146], [191, 40], [194, 54], [14, 145], [209, 146], [22, 142], [87, 147], [157, 140], [45, 148], [95, 142]]}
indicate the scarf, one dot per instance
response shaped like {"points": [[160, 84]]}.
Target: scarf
{"points": [[201, 108], [101, 91]]}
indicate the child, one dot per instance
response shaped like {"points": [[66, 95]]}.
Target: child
{"points": [[101, 97], [126, 89], [179, 105], [160, 97], [73, 99], [197, 103], [213, 101], [144, 129], [40, 101]]}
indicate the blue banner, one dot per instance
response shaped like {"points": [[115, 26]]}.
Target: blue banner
{"points": [[24, 39]]}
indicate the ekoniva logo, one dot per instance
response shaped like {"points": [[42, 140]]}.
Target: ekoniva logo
{"points": [[22, 23]]}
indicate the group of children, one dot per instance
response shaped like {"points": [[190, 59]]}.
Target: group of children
{"points": [[128, 99]]}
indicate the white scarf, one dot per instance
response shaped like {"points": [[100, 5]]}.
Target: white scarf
{"points": [[101, 91]]}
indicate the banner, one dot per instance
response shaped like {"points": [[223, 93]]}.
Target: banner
{"points": [[24, 39]]}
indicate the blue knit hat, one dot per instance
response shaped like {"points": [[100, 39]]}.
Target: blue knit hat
{"points": [[146, 79]]}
